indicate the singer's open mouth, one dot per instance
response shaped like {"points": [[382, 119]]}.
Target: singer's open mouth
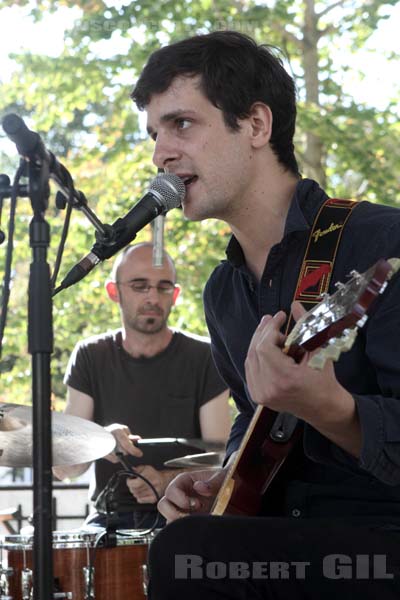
{"points": [[190, 180]]}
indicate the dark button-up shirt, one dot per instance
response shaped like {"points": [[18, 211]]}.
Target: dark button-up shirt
{"points": [[326, 480]]}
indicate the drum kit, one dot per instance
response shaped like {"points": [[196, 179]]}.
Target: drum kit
{"points": [[87, 566], [72, 437], [84, 567]]}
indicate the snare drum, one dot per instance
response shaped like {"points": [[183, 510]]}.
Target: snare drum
{"points": [[81, 563]]}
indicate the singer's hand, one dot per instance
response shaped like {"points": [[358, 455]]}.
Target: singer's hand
{"points": [[159, 479], [191, 492], [125, 441]]}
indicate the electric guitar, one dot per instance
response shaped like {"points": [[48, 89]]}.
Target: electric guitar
{"points": [[331, 326]]}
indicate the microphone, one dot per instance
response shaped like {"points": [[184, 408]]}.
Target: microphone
{"points": [[166, 191], [30, 145], [158, 241]]}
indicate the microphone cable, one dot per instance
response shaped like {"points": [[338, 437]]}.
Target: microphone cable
{"points": [[64, 234], [9, 252], [105, 498]]}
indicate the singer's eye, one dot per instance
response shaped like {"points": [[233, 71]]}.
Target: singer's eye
{"points": [[183, 123]]}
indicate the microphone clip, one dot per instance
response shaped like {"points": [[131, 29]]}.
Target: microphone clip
{"points": [[6, 189]]}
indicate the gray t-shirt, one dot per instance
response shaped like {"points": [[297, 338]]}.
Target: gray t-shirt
{"points": [[158, 396]]}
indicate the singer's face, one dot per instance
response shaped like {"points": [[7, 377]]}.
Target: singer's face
{"points": [[146, 312], [193, 141]]}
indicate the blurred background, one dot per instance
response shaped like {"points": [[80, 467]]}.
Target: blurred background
{"points": [[67, 69]]}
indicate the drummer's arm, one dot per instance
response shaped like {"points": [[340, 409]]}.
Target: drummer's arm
{"points": [[215, 419], [78, 405], [215, 425]]}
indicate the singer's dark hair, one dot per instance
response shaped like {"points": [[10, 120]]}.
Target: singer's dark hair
{"points": [[235, 73]]}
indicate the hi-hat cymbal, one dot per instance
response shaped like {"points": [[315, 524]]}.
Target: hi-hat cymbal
{"points": [[207, 445], [74, 440], [205, 459]]}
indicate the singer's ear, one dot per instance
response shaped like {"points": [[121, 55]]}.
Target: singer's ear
{"points": [[176, 293], [260, 121], [112, 291]]}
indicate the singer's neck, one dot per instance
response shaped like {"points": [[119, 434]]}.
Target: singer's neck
{"points": [[140, 345]]}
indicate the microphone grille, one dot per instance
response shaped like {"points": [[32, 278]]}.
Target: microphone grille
{"points": [[170, 187], [11, 123]]}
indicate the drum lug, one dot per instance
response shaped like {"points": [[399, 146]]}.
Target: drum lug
{"points": [[88, 574], [26, 584], [59, 595], [5, 574]]}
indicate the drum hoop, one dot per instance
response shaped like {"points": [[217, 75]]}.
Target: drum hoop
{"points": [[15, 542], [133, 537], [61, 539], [77, 539]]}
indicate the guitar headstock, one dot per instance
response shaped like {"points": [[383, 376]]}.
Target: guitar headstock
{"points": [[332, 324]]}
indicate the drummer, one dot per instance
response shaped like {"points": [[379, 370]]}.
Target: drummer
{"points": [[144, 379]]}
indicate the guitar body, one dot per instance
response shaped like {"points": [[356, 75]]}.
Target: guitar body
{"points": [[255, 467], [331, 325]]}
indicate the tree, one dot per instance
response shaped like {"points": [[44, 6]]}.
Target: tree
{"points": [[79, 102]]}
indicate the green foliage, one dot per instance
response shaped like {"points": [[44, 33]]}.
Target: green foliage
{"points": [[80, 104]]}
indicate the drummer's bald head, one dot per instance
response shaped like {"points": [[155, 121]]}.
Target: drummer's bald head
{"points": [[129, 252]]}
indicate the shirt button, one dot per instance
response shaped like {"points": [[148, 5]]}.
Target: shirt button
{"points": [[296, 512]]}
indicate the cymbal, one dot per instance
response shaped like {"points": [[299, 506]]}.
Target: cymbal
{"points": [[205, 459], [74, 440], [207, 445]]}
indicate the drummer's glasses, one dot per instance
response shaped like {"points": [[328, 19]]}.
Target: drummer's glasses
{"points": [[142, 286]]}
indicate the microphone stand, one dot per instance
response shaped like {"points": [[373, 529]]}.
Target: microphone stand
{"points": [[42, 165], [40, 346]]}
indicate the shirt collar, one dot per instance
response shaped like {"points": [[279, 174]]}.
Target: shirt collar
{"points": [[307, 199]]}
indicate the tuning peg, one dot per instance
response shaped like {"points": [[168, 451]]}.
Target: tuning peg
{"points": [[348, 338], [318, 360], [333, 349], [329, 353], [395, 265]]}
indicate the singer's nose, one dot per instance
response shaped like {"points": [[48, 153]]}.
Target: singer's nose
{"points": [[165, 151]]}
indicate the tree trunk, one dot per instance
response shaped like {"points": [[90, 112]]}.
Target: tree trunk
{"points": [[314, 145]]}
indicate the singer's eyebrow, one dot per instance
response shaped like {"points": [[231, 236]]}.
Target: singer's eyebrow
{"points": [[171, 116]]}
